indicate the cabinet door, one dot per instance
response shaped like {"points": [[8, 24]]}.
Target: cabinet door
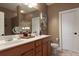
{"points": [[45, 49], [27, 49], [10, 52], [19, 50], [39, 51], [69, 29], [38, 48], [29, 53]]}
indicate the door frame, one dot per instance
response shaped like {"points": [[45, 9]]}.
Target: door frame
{"points": [[3, 21], [60, 26]]}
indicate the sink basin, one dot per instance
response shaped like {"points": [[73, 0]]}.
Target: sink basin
{"points": [[11, 41], [2, 42]]}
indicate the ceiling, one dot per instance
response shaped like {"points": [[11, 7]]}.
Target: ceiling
{"points": [[49, 3], [12, 6]]}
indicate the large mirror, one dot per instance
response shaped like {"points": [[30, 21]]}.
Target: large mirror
{"points": [[20, 17]]}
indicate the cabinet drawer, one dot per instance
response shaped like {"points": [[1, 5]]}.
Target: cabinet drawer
{"points": [[38, 42], [26, 47], [38, 49]]}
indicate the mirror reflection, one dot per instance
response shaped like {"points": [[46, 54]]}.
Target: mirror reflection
{"points": [[24, 18], [16, 17]]}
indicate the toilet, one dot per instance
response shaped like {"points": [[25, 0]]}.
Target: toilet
{"points": [[55, 47]]}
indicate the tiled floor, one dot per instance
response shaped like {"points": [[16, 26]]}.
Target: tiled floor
{"points": [[68, 53]]}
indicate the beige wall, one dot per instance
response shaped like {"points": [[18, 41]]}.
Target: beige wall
{"points": [[53, 17]]}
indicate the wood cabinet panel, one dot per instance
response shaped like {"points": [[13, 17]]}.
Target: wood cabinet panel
{"points": [[26, 47], [45, 47], [39, 54], [17, 51], [45, 50], [10, 52], [38, 43], [45, 40], [29, 53], [38, 49]]}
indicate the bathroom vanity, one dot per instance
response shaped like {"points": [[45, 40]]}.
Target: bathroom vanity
{"points": [[37, 46]]}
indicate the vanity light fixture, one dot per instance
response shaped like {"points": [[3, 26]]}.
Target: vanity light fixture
{"points": [[22, 11], [30, 5], [25, 28]]}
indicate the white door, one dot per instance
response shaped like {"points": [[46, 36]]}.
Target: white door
{"points": [[70, 29], [1, 23], [36, 25]]}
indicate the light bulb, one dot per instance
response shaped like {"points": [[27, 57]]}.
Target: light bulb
{"points": [[27, 27], [23, 28], [22, 11], [30, 5]]}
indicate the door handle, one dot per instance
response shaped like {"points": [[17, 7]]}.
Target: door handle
{"points": [[75, 33]]}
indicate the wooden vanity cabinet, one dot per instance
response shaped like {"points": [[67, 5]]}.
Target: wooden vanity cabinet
{"points": [[9, 52], [19, 50], [27, 49], [39, 47], [45, 47]]}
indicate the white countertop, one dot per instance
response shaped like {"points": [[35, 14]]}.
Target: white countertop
{"points": [[20, 42]]}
